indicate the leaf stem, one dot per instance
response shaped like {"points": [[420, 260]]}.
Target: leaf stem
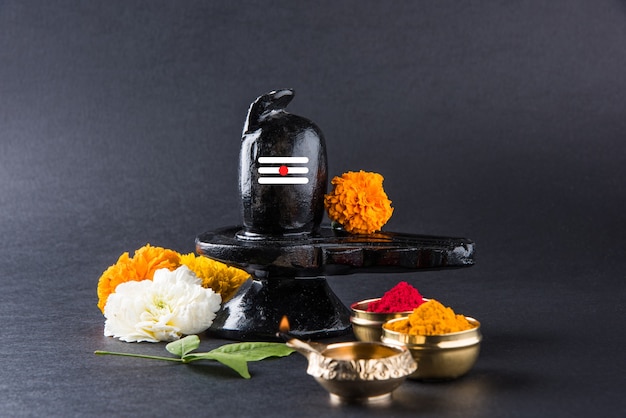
{"points": [[113, 353]]}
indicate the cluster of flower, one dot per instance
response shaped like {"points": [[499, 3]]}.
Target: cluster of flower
{"points": [[161, 295]]}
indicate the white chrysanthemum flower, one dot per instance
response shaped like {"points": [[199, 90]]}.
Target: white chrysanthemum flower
{"points": [[171, 305]]}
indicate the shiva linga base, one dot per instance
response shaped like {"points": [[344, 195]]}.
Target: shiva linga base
{"points": [[282, 182]]}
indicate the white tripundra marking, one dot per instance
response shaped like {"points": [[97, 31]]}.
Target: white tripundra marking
{"points": [[283, 180], [283, 160], [283, 174], [290, 170]]}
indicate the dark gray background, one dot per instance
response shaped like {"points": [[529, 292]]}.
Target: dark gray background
{"points": [[502, 122]]}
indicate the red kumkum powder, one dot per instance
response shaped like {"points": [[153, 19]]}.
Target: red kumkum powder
{"points": [[402, 297]]}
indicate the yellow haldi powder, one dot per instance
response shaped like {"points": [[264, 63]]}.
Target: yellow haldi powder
{"points": [[431, 318]]}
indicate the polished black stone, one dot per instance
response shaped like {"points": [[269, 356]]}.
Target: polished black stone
{"points": [[287, 273], [254, 313], [334, 252], [269, 207]]}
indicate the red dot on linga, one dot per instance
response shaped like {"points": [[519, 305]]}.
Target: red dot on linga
{"points": [[283, 170]]}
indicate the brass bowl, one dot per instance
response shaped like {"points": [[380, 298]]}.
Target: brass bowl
{"points": [[439, 357], [361, 371], [367, 326]]}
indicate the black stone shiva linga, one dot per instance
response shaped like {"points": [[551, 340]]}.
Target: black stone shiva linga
{"points": [[282, 181]]}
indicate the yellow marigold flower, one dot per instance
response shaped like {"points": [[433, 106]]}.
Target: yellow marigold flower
{"points": [[358, 202], [141, 266], [223, 279]]}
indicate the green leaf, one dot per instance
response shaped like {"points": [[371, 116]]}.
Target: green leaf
{"points": [[234, 361], [255, 351], [183, 346], [237, 355]]}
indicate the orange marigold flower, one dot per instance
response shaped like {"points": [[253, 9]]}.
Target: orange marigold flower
{"points": [[358, 202], [223, 279], [141, 266]]}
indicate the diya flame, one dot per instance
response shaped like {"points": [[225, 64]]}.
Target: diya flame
{"points": [[283, 327]]}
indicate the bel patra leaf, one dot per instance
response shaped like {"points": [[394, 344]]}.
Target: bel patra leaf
{"points": [[237, 355], [255, 351], [234, 361], [183, 346]]}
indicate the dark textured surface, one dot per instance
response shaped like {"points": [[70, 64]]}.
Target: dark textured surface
{"points": [[120, 124]]}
